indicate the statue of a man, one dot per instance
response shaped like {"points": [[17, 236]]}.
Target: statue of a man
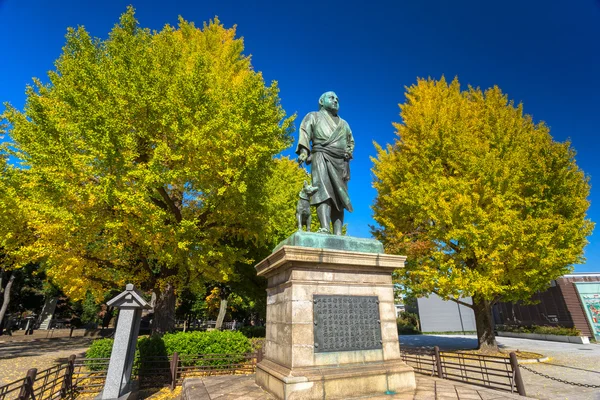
{"points": [[330, 154]]}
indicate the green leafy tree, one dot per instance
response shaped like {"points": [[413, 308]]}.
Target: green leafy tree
{"points": [[244, 285], [15, 233], [480, 198], [148, 154]]}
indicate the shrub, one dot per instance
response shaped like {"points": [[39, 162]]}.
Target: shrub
{"points": [[189, 345], [151, 346], [405, 328], [542, 330], [211, 342], [410, 318], [254, 331], [100, 348], [557, 330], [408, 323]]}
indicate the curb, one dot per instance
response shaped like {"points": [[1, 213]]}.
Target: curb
{"points": [[534, 360]]}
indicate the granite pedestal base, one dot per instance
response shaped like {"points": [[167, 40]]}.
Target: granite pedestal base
{"points": [[335, 382], [293, 367]]}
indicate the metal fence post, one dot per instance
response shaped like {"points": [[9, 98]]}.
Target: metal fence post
{"points": [[174, 366], [67, 385], [27, 388], [438, 362], [517, 374]]}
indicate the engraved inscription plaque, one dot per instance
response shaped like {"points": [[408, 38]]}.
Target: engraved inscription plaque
{"points": [[346, 323]]}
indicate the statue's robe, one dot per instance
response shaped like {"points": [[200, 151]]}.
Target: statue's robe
{"points": [[330, 169]]}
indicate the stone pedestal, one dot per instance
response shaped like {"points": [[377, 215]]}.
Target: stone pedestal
{"points": [[294, 366]]}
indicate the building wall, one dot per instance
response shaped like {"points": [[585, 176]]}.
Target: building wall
{"points": [[437, 315], [549, 308], [559, 305]]}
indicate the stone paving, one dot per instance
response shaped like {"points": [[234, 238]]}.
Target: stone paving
{"points": [[579, 363], [242, 387], [18, 353]]}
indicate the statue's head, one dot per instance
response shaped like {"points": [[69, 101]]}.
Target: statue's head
{"points": [[330, 102]]}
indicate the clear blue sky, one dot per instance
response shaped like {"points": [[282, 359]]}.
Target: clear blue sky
{"points": [[545, 54]]}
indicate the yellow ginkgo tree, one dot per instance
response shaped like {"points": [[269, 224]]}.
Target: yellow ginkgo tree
{"points": [[148, 156], [480, 198], [15, 233]]}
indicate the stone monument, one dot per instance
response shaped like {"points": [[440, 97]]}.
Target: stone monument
{"points": [[118, 377], [331, 319]]}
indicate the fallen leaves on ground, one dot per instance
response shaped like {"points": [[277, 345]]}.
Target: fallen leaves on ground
{"points": [[521, 355]]}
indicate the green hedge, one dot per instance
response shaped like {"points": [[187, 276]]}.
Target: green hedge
{"points": [[100, 348], [406, 328], [211, 342], [408, 323], [188, 344], [542, 330]]}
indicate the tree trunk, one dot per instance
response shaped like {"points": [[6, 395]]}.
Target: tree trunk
{"points": [[483, 320], [222, 312], [6, 297], [164, 310]]}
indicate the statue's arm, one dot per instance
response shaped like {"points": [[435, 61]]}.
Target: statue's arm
{"points": [[304, 137], [349, 143]]}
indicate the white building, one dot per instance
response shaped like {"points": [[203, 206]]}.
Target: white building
{"points": [[437, 315]]}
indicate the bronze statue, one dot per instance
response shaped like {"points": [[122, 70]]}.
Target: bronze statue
{"points": [[330, 154], [303, 207]]}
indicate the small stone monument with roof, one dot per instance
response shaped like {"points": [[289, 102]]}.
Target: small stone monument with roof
{"points": [[118, 377]]}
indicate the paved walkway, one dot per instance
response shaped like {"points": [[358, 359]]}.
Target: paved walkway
{"points": [[20, 353], [578, 363], [242, 387]]}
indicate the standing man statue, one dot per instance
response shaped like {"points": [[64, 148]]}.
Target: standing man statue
{"points": [[330, 154]]}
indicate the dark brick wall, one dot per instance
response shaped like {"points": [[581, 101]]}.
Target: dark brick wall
{"points": [[558, 305]]}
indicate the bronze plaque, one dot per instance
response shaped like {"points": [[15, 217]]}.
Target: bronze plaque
{"points": [[346, 323]]}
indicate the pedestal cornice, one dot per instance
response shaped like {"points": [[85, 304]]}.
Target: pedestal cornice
{"points": [[296, 256]]}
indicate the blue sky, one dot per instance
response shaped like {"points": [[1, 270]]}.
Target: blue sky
{"points": [[545, 54]]}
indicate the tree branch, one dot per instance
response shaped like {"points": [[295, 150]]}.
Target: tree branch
{"points": [[170, 203], [454, 247], [157, 202], [462, 303]]}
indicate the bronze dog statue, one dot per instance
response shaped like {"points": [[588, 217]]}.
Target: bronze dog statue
{"points": [[303, 206]]}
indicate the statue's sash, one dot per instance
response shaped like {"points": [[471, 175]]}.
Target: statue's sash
{"points": [[336, 133], [329, 147]]}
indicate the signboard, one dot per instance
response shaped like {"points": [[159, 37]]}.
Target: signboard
{"points": [[346, 323], [589, 294], [591, 303]]}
